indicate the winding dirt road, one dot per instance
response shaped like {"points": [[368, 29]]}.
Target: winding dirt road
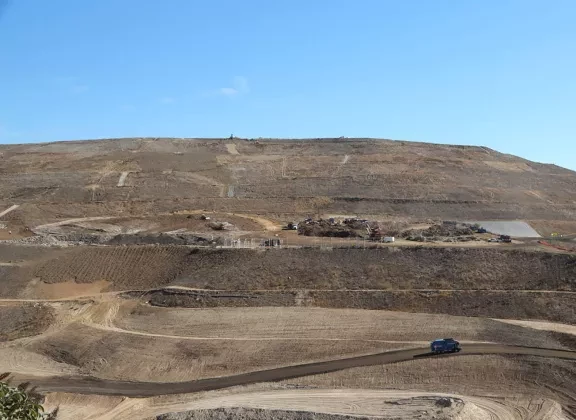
{"points": [[88, 385]]}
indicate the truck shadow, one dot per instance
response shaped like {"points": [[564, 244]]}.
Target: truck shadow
{"points": [[431, 354]]}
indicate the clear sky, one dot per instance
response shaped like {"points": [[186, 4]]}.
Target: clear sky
{"points": [[498, 73]]}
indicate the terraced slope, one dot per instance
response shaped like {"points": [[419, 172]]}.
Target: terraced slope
{"points": [[144, 175]]}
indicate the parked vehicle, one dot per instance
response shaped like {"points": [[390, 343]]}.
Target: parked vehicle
{"points": [[388, 239], [444, 345]]}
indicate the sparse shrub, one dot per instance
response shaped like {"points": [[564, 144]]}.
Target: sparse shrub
{"points": [[16, 404]]}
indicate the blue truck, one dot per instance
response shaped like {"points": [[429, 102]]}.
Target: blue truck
{"points": [[444, 345]]}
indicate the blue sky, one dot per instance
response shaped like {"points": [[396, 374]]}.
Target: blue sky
{"points": [[498, 73]]}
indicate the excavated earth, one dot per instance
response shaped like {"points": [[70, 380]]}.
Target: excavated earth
{"points": [[121, 296]]}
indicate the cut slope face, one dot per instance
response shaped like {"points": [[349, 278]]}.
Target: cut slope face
{"points": [[281, 176]]}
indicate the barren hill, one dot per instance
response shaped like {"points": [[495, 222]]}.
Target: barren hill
{"points": [[123, 296], [282, 177]]}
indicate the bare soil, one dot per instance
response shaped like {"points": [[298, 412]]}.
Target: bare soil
{"points": [[24, 321], [263, 402], [316, 324], [489, 376], [371, 404], [549, 227], [160, 223], [544, 326], [146, 389], [257, 309], [121, 340], [69, 289], [280, 176], [140, 357]]}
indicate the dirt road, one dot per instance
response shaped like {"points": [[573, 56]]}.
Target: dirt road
{"points": [[9, 209], [88, 385]]}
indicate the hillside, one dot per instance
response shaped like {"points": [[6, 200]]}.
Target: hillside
{"points": [[163, 278], [280, 177]]}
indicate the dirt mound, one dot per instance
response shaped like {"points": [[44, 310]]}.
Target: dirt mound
{"points": [[444, 230], [349, 228], [24, 321], [447, 232]]}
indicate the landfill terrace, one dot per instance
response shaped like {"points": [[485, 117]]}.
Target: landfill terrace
{"points": [[299, 279]]}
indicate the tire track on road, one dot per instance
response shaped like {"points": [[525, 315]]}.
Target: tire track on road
{"points": [[91, 385]]}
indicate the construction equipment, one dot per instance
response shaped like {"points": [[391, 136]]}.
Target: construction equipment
{"points": [[445, 345], [505, 238], [374, 233], [478, 229], [292, 226]]}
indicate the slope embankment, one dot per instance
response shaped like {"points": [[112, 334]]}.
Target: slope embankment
{"points": [[509, 304], [410, 268], [457, 281]]}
